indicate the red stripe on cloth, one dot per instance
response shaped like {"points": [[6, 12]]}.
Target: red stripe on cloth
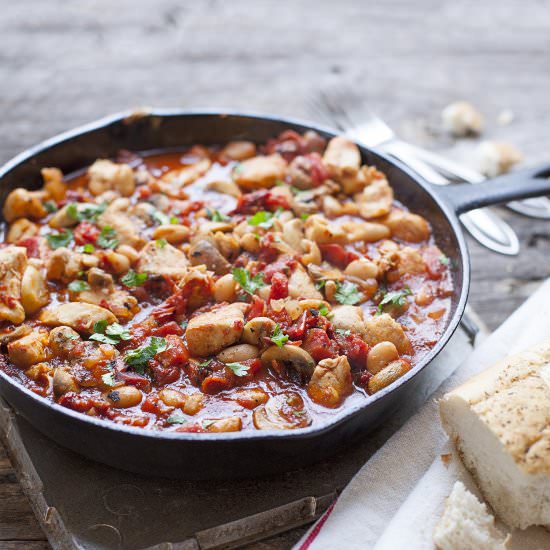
{"points": [[315, 531]]}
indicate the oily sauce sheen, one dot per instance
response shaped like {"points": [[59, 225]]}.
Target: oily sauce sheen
{"points": [[217, 289]]}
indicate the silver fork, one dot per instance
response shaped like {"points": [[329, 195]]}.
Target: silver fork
{"points": [[483, 224]]}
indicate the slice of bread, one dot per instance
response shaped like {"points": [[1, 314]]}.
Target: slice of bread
{"points": [[466, 524], [500, 423]]}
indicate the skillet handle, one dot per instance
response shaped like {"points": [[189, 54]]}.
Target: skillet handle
{"points": [[463, 197]]}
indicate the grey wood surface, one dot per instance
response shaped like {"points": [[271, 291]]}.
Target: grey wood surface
{"points": [[66, 63]]}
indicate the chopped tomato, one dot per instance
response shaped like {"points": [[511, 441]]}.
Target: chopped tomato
{"points": [[250, 203], [32, 244], [169, 328], [318, 344], [218, 381], [279, 287], [436, 262], [354, 348], [257, 308], [86, 233], [284, 264], [337, 255]]}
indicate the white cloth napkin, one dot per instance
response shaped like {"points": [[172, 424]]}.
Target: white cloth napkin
{"points": [[396, 498]]}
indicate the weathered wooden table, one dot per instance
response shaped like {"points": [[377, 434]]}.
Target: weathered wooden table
{"points": [[63, 64]]}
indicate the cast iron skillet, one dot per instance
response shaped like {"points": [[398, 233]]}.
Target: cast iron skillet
{"points": [[249, 453]]}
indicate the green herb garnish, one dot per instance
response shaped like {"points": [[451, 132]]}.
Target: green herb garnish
{"points": [[347, 293], [161, 243], [133, 279], [160, 217], [174, 220], [343, 332], [444, 259], [248, 284], [85, 211], [112, 334], [87, 248], [139, 358], [57, 240], [263, 219], [323, 310], [216, 215], [395, 298], [107, 238], [238, 368], [50, 207], [78, 286], [176, 417], [108, 379], [278, 337]]}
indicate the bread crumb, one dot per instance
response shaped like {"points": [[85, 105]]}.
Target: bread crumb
{"points": [[461, 118], [505, 117], [495, 158], [446, 458]]}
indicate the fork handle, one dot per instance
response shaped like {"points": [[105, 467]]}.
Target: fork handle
{"points": [[483, 224]]}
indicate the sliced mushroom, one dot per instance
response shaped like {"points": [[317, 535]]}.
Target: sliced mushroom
{"points": [[297, 361], [64, 382], [256, 329], [203, 252], [285, 411]]}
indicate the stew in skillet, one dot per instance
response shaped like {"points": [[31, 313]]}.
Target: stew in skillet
{"points": [[218, 289]]}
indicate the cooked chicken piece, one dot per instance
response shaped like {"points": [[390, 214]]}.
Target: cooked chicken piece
{"points": [[226, 187], [99, 279], [22, 203], [365, 231], [375, 200], [300, 285], [293, 234], [9, 335], [62, 218], [230, 424], [120, 302], [382, 328], [54, 185], [126, 228], [13, 261], [407, 261], [176, 179], [209, 333], [332, 207], [29, 350], [346, 317], [162, 259], [342, 157], [34, 290], [64, 265], [318, 229], [104, 175], [407, 227], [77, 315], [260, 172], [239, 150], [21, 229], [330, 382]]}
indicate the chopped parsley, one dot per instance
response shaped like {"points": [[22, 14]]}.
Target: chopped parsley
{"points": [[108, 379], [133, 279], [174, 220], [238, 368], [248, 284], [85, 211], [160, 217], [444, 259], [87, 248], [304, 216], [112, 334], [319, 285], [78, 286], [323, 310], [50, 207], [216, 215], [395, 298], [57, 240], [161, 243], [139, 358], [263, 219], [278, 337], [206, 363], [107, 238], [347, 293], [176, 417]]}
